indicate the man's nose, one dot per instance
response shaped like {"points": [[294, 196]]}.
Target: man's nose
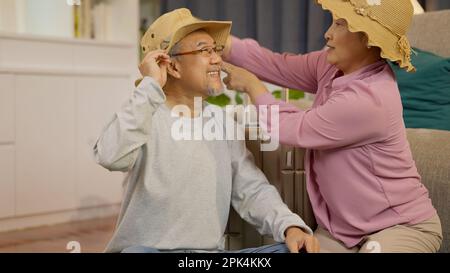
{"points": [[215, 58]]}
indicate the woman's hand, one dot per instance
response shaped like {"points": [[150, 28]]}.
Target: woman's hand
{"points": [[227, 49], [242, 80], [297, 239], [155, 65]]}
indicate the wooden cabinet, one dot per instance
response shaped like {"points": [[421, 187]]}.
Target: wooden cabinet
{"points": [[284, 168]]}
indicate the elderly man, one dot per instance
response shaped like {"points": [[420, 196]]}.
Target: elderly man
{"points": [[178, 192]]}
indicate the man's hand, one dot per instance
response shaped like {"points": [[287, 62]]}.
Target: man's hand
{"points": [[155, 65], [239, 79], [297, 239]]}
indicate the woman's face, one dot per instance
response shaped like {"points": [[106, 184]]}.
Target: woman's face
{"points": [[347, 50]]}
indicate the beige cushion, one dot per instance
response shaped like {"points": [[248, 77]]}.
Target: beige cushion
{"points": [[430, 32], [431, 152]]}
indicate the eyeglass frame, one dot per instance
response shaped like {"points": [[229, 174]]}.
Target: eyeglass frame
{"points": [[199, 51]]}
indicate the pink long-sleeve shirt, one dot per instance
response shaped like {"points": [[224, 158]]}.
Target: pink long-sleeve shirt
{"points": [[361, 177]]}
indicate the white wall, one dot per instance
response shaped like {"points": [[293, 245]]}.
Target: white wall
{"points": [[49, 17], [418, 9], [55, 97], [12, 16], [116, 20], [7, 161]]}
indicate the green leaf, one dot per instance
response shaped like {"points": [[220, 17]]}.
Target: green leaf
{"points": [[293, 94], [222, 100], [277, 94], [238, 99], [296, 94]]}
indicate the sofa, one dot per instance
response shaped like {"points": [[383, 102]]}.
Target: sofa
{"points": [[431, 151], [431, 148]]}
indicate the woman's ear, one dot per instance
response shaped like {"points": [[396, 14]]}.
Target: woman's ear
{"points": [[173, 69], [365, 39]]}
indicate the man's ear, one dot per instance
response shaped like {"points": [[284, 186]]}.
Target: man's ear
{"points": [[173, 69]]}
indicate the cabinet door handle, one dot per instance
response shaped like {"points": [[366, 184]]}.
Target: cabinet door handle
{"points": [[289, 159]]}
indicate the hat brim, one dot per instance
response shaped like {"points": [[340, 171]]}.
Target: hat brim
{"points": [[219, 31], [377, 34]]}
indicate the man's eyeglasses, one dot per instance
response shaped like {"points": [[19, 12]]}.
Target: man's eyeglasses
{"points": [[206, 51]]}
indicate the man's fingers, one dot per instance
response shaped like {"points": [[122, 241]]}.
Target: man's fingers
{"points": [[158, 51], [312, 245], [292, 246], [300, 245], [309, 246], [163, 67], [163, 62], [157, 55], [154, 54]]}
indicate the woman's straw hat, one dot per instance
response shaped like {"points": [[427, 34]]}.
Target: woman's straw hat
{"points": [[385, 22]]}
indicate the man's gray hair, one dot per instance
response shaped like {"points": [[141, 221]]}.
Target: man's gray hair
{"points": [[175, 49]]}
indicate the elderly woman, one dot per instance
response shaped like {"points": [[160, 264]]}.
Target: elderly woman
{"points": [[362, 181]]}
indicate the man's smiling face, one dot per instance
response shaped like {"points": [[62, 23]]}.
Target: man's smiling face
{"points": [[200, 71]]}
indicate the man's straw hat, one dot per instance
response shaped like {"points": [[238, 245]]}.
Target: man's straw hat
{"points": [[173, 26]]}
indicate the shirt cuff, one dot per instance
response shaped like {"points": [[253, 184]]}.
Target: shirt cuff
{"points": [[265, 99], [294, 222]]}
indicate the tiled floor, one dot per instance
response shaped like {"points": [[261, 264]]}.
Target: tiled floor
{"points": [[93, 235]]}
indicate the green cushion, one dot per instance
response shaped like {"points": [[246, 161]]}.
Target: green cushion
{"points": [[426, 93]]}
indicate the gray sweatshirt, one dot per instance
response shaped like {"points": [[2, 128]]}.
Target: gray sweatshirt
{"points": [[178, 192]]}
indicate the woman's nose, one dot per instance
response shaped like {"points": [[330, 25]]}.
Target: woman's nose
{"points": [[327, 34]]}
